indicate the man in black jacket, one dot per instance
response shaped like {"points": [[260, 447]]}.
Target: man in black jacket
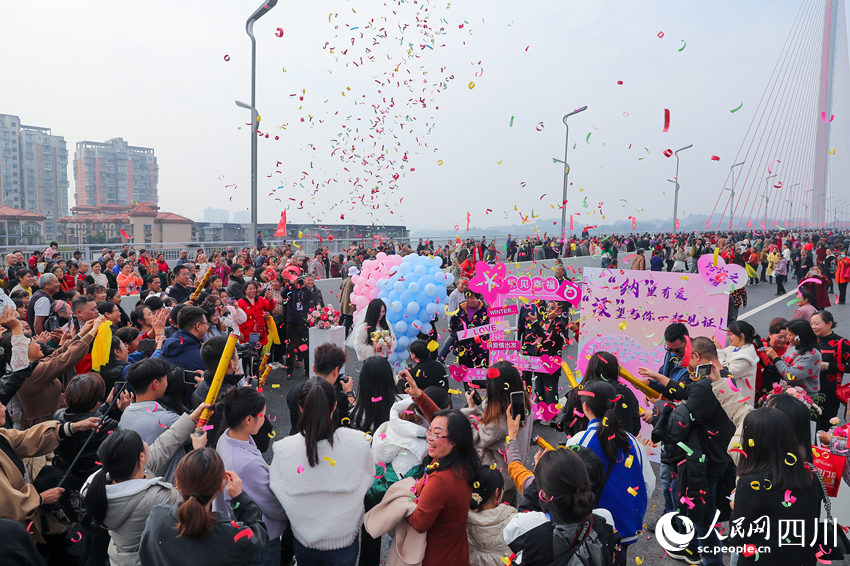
{"points": [[237, 282], [328, 360], [426, 371], [700, 427]]}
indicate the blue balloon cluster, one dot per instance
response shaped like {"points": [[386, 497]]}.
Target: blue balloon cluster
{"points": [[414, 295]]}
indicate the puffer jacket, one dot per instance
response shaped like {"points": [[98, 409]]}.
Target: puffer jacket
{"points": [[736, 409], [184, 350], [400, 442], [489, 440], [484, 531], [68, 449], [741, 363], [130, 502], [536, 540]]}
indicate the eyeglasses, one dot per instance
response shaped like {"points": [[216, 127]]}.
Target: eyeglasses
{"points": [[430, 435]]}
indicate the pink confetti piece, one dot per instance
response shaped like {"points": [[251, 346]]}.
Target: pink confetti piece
{"points": [[155, 407], [300, 469], [77, 537], [208, 427], [377, 399], [684, 500], [587, 393], [732, 385], [244, 533]]}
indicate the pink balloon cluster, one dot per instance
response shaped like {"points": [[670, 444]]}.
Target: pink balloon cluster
{"points": [[372, 271]]}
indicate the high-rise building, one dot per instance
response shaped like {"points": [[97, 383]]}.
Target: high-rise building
{"points": [[10, 162], [114, 173], [216, 215], [33, 171], [241, 216], [44, 174]]}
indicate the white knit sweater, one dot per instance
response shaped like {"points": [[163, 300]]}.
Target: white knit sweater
{"points": [[324, 503]]}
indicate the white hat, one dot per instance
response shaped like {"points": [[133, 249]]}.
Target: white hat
{"points": [[352, 271]]}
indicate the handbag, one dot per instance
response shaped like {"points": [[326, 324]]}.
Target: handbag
{"points": [[841, 548]]}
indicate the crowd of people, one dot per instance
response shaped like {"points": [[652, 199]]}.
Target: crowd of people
{"points": [[119, 446]]}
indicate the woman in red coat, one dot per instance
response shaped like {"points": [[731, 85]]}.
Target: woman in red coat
{"points": [[256, 307]]}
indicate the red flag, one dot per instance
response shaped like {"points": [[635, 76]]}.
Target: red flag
{"points": [[677, 224], [123, 233], [571, 221], [281, 226]]}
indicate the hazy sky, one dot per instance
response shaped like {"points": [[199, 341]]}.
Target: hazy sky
{"points": [[154, 73]]}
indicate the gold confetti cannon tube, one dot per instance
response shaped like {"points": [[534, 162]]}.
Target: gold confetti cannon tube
{"points": [[264, 363], [264, 376], [641, 386], [202, 283], [218, 378], [541, 442]]}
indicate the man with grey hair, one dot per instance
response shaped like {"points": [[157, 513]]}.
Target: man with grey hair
{"points": [[41, 302]]}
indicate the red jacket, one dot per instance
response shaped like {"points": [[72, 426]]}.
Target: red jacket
{"points": [[256, 318], [843, 271]]}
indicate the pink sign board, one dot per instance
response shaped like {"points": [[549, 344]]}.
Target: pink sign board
{"points": [[503, 344], [503, 311], [474, 331], [625, 312], [496, 286]]}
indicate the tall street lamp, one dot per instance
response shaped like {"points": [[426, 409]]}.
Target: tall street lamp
{"points": [[766, 196], [566, 176], [676, 196], [732, 196], [255, 117], [789, 208]]}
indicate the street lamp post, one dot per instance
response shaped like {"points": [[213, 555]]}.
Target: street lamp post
{"points": [[255, 117], [806, 204], [789, 208], [676, 195], [788, 200], [766, 196], [566, 176], [732, 196]]}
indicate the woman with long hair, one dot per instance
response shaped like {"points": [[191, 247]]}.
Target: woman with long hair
{"points": [[120, 496], [602, 366], [802, 367], [491, 427], [376, 394], [775, 485], [320, 475], [740, 356], [835, 357], [363, 339], [444, 493], [625, 462], [189, 532], [244, 414], [566, 527]]}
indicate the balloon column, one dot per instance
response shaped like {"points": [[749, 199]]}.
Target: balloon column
{"points": [[365, 284], [415, 293]]}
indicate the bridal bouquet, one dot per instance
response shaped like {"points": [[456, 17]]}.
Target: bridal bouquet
{"points": [[382, 340]]}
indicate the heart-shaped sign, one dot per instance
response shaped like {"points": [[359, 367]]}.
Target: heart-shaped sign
{"points": [[720, 278], [550, 363], [544, 411], [458, 373]]}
